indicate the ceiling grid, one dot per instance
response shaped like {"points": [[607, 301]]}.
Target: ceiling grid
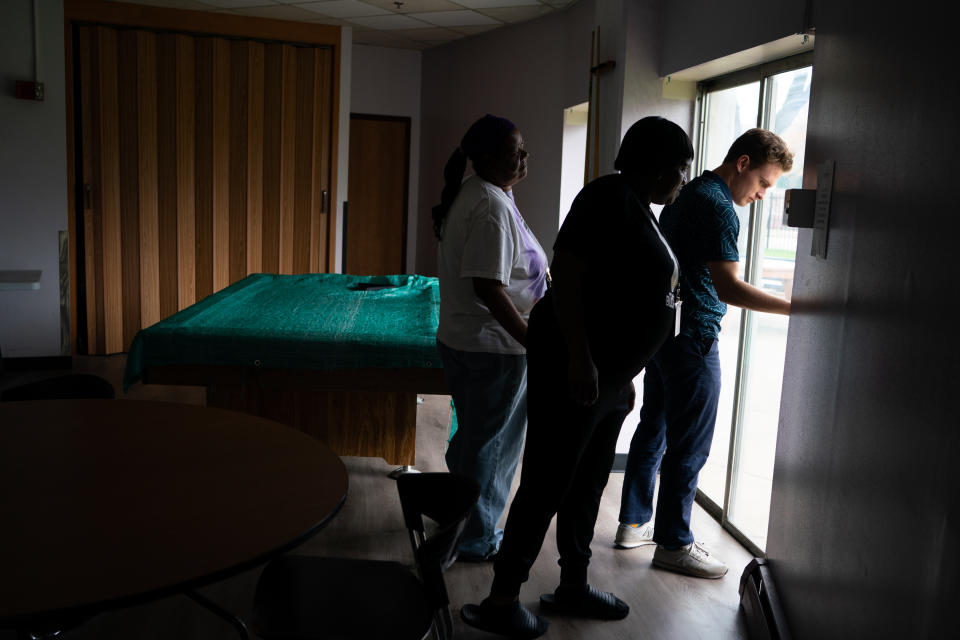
{"points": [[406, 24]]}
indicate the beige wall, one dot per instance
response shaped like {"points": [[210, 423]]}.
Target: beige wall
{"points": [[386, 82], [529, 73], [33, 176], [526, 72], [696, 31]]}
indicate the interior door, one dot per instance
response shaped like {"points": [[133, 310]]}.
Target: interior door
{"points": [[376, 220], [201, 159]]}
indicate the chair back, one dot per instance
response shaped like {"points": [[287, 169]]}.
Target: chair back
{"points": [[71, 386], [318, 597], [447, 499]]}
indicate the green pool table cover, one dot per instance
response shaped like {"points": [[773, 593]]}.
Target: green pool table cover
{"points": [[312, 321]]}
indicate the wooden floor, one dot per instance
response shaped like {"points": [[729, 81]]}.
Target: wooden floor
{"points": [[662, 605]]}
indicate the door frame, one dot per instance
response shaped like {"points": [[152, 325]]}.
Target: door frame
{"points": [[119, 14], [761, 73]]}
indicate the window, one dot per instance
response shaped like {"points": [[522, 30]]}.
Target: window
{"points": [[572, 177], [736, 482]]}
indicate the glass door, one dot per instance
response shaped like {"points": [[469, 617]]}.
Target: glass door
{"points": [[736, 482], [729, 112]]}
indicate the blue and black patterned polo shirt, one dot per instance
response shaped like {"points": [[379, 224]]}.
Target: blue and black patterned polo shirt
{"points": [[701, 226]]}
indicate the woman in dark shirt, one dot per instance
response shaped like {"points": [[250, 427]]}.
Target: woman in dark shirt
{"points": [[610, 308]]}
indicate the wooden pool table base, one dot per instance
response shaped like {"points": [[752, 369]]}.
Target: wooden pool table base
{"points": [[356, 412]]}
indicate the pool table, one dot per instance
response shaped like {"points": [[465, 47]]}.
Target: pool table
{"points": [[336, 356]]}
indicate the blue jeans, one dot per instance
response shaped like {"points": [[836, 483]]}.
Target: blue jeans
{"points": [[681, 389], [489, 393]]}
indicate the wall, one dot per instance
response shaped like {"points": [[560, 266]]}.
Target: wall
{"points": [[573, 161], [386, 82], [697, 31], [642, 86], [33, 166], [864, 537], [641, 96], [526, 72], [343, 138], [529, 73], [611, 36]]}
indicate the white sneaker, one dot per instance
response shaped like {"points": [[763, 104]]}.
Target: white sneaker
{"points": [[692, 560], [629, 537]]}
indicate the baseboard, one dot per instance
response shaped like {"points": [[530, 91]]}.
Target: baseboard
{"points": [[619, 463]]}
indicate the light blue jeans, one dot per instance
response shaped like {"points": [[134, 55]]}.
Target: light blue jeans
{"points": [[489, 393]]}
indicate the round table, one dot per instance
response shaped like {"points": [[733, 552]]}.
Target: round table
{"points": [[112, 502]]}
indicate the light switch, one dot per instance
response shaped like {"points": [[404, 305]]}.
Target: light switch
{"points": [[26, 90]]}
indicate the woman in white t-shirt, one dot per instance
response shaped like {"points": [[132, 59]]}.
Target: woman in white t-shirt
{"points": [[492, 271]]}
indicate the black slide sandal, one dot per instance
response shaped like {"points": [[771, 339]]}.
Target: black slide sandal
{"points": [[585, 603], [512, 621]]}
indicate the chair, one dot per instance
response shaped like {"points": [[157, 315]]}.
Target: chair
{"points": [[313, 597], [71, 386]]}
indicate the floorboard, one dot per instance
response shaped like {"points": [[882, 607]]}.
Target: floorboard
{"points": [[663, 605]]}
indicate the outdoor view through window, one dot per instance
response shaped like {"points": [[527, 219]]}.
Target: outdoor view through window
{"points": [[738, 475]]}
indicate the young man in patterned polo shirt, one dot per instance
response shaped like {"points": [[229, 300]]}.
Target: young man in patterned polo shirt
{"points": [[681, 387]]}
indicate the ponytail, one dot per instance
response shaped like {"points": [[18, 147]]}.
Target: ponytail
{"points": [[483, 136], [452, 178]]}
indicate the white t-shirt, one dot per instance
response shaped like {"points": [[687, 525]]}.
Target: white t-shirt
{"points": [[484, 236]]}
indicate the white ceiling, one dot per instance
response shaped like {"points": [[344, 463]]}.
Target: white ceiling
{"points": [[408, 24]]}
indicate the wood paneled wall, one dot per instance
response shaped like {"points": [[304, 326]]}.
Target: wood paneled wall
{"points": [[202, 159]]}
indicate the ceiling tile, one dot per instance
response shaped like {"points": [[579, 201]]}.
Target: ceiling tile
{"points": [[469, 30], [180, 4], [344, 8], [390, 22], [426, 22], [454, 18], [230, 4], [413, 6], [385, 39], [489, 4], [321, 19], [517, 14], [430, 34], [280, 12]]}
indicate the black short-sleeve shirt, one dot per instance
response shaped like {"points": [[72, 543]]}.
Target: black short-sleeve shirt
{"points": [[630, 271]]}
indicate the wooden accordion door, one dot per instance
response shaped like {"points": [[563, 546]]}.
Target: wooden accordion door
{"points": [[201, 160]]}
